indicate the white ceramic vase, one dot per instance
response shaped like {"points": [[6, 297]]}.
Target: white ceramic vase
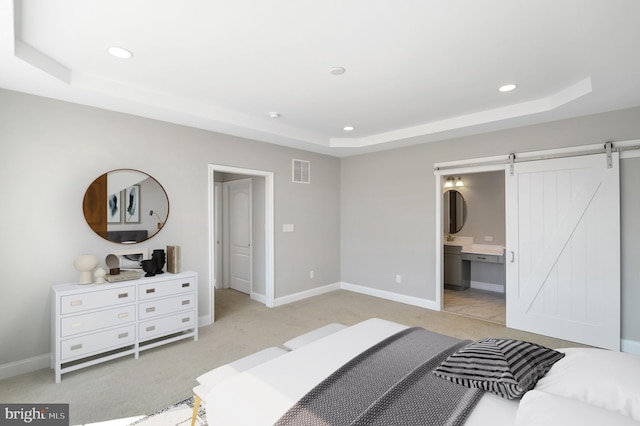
{"points": [[85, 263]]}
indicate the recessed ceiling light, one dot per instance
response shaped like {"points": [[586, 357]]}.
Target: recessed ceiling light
{"points": [[348, 128], [120, 52], [507, 88], [337, 71], [274, 115]]}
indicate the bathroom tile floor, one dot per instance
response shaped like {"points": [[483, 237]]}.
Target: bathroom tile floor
{"points": [[486, 305]]}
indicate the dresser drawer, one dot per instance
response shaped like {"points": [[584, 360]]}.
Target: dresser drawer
{"points": [[97, 299], [78, 347], [166, 325], [488, 258], [159, 307], [96, 320], [166, 288]]}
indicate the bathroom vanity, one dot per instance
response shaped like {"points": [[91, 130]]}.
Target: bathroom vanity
{"points": [[473, 265], [456, 272]]}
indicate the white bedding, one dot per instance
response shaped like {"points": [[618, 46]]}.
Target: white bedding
{"points": [[261, 395]]}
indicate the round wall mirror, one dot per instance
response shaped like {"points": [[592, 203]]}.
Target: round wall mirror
{"points": [[125, 206], [454, 211]]}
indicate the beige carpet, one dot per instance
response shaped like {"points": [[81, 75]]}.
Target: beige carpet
{"points": [[162, 376]]}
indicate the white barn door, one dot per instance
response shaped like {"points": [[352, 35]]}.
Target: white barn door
{"points": [[563, 249]]}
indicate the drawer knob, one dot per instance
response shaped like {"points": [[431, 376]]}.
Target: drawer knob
{"points": [[186, 302], [186, 319], [184, 285], [151, 290], [76, 325], [76, 302], [123, 315], [123, 335], [151, 309], [76, 347], [123, 295], [151, 328]]}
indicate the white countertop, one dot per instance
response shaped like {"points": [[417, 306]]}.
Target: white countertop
{"points": [[469, 247], [483, 249]]}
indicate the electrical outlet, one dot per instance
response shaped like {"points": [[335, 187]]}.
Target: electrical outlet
{"points": [[312, 275], [398, 279], [488, 238]]}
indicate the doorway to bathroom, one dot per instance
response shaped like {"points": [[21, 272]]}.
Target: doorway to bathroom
{"points": [[474, 242]]}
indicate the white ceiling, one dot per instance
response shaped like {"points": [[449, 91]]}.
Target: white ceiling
{"points": [[416, 70]]}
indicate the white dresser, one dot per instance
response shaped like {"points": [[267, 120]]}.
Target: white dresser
{"points": [[98, 322]]}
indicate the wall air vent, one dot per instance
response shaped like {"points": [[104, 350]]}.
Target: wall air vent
{"points": [[301, 171]]}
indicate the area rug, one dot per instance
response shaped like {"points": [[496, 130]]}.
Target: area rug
{"points": [[179, 414]]}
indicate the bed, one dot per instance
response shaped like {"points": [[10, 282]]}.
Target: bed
{"points": [[575, 386]]}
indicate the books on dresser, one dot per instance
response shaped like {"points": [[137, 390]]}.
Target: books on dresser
{"points": [[173, 259]]}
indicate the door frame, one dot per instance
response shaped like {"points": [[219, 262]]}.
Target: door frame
{"points": [[444, 169], [217, 224], [269, 229]]}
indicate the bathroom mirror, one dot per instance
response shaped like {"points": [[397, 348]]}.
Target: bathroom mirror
{"points": [[454, 213], [125, 206]]}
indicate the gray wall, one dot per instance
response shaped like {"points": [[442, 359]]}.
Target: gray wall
{"points": [[388, 204], [50, 151]]}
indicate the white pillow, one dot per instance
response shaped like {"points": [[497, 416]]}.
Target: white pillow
{"points": [[606, 379], [543, 409]]}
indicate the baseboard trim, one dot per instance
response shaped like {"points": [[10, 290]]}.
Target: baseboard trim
{"points": [[204, 320], [25, 366], [394, 297], [259, 298], [305, 294], [630, 346]]}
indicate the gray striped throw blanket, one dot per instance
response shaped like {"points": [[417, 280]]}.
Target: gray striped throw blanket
{"points": [[391, 383]]}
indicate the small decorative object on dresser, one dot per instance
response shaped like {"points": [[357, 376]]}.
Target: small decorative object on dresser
{"points": [[173, 259], [113, 263], [85, 263], [96, 323], [159, 258], [100, 274], [149, 266], [125, 264]]}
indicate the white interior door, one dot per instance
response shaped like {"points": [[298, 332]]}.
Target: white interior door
{"points": [[239, 234], [217, 224], [563, 249]]}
